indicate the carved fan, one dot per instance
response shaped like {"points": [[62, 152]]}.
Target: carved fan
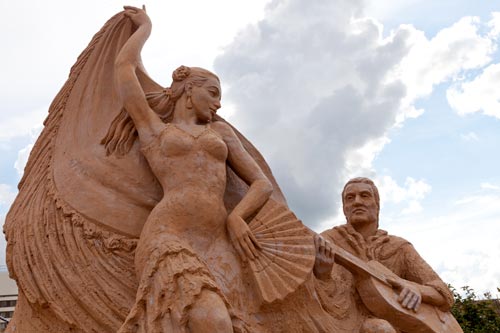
{"points": [[287, 251]]}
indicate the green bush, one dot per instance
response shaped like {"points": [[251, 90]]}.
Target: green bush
{"points": [[474, 314]]}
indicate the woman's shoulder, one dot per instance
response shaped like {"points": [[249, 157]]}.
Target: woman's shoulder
{"points": [[223, 128]]}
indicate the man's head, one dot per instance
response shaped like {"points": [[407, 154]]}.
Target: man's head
{"points": [[361, 201]]}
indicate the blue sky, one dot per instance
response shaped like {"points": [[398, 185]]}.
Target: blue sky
{"points": [[401, 91]]}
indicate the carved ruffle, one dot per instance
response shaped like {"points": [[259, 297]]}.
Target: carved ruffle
{"points": [[171, 282]]}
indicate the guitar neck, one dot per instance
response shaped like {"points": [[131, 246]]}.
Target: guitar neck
{"points": [[356, 265]]}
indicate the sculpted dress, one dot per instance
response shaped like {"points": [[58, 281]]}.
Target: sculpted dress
{"points": [[184, 247]]}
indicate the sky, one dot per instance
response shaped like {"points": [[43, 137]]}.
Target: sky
{"points": [[400, 91]]}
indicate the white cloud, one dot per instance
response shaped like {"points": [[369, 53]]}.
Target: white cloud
{"points": [[442, 58], [24, 153], [478, 94], [22, 159], [489, 186], [494, 25], [475, 225], [359, 160], [7, 195], [409, 196], [461, 243], [413, 207], [335, 86], [39, 55], [470, 136], [388, 9], [21, 124], [312, 78]]}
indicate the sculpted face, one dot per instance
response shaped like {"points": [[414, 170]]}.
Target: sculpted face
{"points": [[206, 99], [360, 206]]}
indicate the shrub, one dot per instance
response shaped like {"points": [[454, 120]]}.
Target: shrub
{"points": [[474, 314]]}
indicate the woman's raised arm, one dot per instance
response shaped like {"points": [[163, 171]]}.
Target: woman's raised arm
{"points": [[134, 100]]}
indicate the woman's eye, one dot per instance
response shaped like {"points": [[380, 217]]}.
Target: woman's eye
{"points": [[213, 93]]}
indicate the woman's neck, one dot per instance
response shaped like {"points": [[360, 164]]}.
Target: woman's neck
{"points": [[182, 114]]}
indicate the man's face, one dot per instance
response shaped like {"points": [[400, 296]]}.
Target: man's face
{"points": [[360, 206]]}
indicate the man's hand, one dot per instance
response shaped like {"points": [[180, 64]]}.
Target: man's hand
{"points": [[410, 296], [324, 258]]}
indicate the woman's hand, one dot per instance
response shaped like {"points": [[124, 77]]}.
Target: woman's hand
{"points": [[243, 240], [137, 15]]}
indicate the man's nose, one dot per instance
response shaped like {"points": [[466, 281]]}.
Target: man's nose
{"points": [[357, 200], [217, 105]]}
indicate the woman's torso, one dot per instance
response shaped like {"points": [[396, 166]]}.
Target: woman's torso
{"points": [[192, 172]]}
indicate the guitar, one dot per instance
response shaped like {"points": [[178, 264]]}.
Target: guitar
{"points": [[372, 283]]}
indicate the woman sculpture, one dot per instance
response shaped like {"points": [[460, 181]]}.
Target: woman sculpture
{"points": [[110, 232], [187, 228]]}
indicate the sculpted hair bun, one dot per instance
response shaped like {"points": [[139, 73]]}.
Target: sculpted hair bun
{"points": [[181, 73]]}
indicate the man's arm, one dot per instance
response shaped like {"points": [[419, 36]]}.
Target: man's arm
{"points": [[430, 286]]}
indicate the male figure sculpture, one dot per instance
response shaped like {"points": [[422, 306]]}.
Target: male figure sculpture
{"points": [[415, 282]]}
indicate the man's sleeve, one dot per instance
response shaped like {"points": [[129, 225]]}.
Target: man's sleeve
{"points": [[419, 271]]}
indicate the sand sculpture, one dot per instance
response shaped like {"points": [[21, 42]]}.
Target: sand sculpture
{"points": [[142, 210], [396, 289]]}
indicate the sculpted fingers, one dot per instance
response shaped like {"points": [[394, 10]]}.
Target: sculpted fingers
{"points": [[238, 248], [131, 8], [246, 248], [329, 251], [316, 241], [241, 237], [409, 299], [403, 295], [417, 305], [254, 240], [414, 302], [137, 15], [321, 245], [251, 246]]}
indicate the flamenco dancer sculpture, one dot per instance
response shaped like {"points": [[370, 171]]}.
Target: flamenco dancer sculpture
{"points": [[121, 222], [142, 210]]}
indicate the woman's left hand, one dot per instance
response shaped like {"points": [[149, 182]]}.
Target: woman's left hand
{"points": [[242, 237]]}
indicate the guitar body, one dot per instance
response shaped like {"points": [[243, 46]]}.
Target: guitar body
{"points": [[382, 300]]}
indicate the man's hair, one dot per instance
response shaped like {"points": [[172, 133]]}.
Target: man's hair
{"points": [[363, 180]]}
